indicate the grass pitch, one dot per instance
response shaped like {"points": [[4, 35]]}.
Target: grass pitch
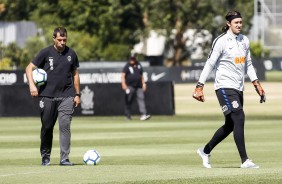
{"points": [[161, 150]]}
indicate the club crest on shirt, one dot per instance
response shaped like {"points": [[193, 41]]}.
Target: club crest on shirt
{"points": [[41, 104], [69, 58], [51, 63], [244, 46], [235, 104]]}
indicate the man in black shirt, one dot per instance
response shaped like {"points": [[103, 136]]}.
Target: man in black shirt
{"points": [[133, 83], [59, 95]]}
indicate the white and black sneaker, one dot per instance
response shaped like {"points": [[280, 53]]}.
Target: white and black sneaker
{"points": [[66, 162], [205, 157], [45, 162], [249, 164], [145, 117]]}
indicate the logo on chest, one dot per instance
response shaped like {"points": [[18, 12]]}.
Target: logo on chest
{"points": [[244, 46], [69, 58], [51, 63]]}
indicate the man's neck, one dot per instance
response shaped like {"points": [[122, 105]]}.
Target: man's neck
{"points": [[60, 51]]}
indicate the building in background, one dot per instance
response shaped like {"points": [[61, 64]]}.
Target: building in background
{"points": [[267, 25], [17, 32], [152, 47]]}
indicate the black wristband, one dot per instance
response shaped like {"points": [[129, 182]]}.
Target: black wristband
{"points": [[77, 94], [199, 84]]}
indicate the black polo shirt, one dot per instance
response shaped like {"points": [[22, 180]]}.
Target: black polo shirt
{"points": [[59, 68], [133, 74]]}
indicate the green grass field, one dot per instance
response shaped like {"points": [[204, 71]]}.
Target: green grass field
{"points": [[161, 150], [273, 76]]}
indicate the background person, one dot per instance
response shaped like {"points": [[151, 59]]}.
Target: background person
{"points": [[58, 96], [133, 84], [230, 58]]}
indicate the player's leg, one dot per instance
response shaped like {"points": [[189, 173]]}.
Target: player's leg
{"points": [[224, 99], [48, 120], [141, 104], [129, 96], [220, 134], [65, 111], [141, 101], [223, 131], [238, 119]]}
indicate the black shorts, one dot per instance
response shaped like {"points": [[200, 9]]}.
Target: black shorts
{"points": [[230, 100]]}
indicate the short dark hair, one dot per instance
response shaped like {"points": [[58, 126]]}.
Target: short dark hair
{"points": [[61, 30], [132, 58]]}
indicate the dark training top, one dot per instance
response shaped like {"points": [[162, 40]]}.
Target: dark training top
{"points": [[133, 75], [59, 68]]}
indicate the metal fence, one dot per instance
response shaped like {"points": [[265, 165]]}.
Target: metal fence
{"points": [[267, 26]]}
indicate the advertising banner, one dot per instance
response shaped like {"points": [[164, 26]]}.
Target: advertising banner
{"points": [[179, 74], [96, 100]]}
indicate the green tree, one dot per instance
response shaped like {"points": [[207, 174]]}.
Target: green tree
{"points": [[17, 9], [86, 46], [116, 52], [257, 50], [93, 25], [6, 64], [197, 14], [96, 28], [32, 46], [13, 52]]}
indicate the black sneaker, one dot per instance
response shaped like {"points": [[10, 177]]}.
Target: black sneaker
{"points": [[45, 161], [66, 162], [128, 118]]}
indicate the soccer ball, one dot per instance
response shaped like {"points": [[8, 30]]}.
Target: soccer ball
{"points": [[91, 157], [39, 76]]}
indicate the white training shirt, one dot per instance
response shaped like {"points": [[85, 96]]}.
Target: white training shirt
{"points": [[230, 58]]}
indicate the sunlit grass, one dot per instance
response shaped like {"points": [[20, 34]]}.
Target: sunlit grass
{"points": [[161, 150]]}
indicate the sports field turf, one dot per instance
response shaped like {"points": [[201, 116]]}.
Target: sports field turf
{"points": [[161, 150]]}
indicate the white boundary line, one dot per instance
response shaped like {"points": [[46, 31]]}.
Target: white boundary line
{"points": [[27, 173]]}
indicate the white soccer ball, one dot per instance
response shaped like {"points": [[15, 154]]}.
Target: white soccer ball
{"points": [[39, 76], [91, 157]]}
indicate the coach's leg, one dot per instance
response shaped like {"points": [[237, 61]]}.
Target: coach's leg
{"points": [[238, 119], [48, 119], [220, 134], [65, 111], [141, 101]]}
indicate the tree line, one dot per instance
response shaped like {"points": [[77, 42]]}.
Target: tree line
{"points": [[107, 29]]}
